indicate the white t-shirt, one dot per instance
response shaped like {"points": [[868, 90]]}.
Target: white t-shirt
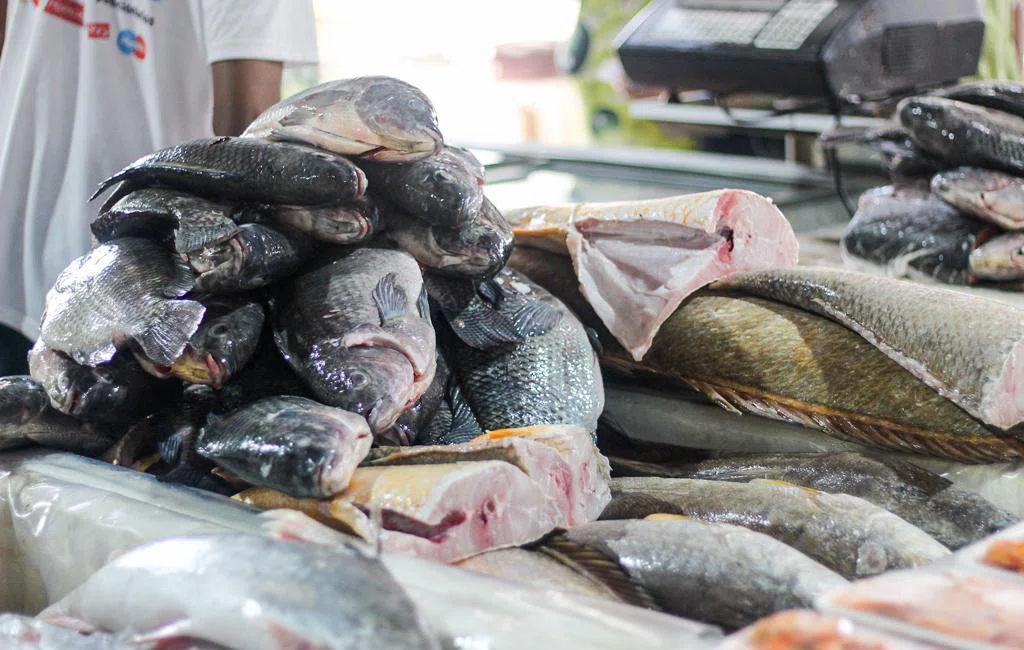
{"points": [[88, 86]]}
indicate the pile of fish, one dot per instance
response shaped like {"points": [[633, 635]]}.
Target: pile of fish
{"points": [[955, 210]]}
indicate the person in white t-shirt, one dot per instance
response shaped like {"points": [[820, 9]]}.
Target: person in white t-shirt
{"points": [[88, 86]]}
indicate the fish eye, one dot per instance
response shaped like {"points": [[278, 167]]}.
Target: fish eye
{"points": [[443, 176], [358, 380], [220, 330]]}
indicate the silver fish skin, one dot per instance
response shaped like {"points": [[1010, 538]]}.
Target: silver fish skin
{"points": [[121, 291], [953, 516], [249, 591], [370, 117], [551, 378], [256, 256], [711, 572], [1000, 259], [26, 417], [846, 534], [989, 195], [291, 444], [246, 170], [922, 328]]}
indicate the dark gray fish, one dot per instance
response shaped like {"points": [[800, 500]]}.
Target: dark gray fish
{"points": [[183, 221], [124, 290], [290, 444], [444, 190], [411, 425], [904, 160], [965, 135], [26, 417], [986, 194], [224, 343], [345, 223], [372, 117], [454, 421], [119, 391], [478, 249], [266, 375], [1006, 96], [551, 378], [711, 572], [247, 170], [357, 330], [255, 257], [953, 516], [913, 235]]}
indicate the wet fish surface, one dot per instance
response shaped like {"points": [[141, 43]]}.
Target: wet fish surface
{"points": [[254, 257], [344, 223], [224, 342], [1000, 259], [987, 194], [1006, 96], [26, 417]]}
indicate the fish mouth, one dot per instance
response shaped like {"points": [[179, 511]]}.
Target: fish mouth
{"points": [[199, 369], [416, 145], [228, 254]]}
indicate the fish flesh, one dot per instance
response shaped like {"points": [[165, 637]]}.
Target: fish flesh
{"points": [[711, 572], [249, 591], [1006, 96], [953, 516], [183, 221], [121, 291], [551, 378], [922, 329], [539, 570], [254, 257], [989, 195], [357, 329], [809, 370], [1005, 554], [344, 223], [812, 631], [1000, 259], [246, 170], [914, 235], [637, 261], [445, 190], [291, 444], [844, 533], [372, 117], [445, 512], [964, 135], [26, 417]]}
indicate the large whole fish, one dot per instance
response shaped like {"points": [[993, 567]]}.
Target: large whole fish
{"points": [[357, 329], [920, 327], [125, 290], [254, 257], [344, 223], [756, 356], [712, 572], [26, 417], [953, 516], [375, 117], [248, 591], [989, 195]]}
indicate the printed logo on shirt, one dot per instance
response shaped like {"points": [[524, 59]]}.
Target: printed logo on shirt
{"points": [[129, 9], [131, 43], [69, 10], [99, 30]]}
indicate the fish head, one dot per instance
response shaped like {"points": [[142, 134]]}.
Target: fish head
{"points": [[222, 345], [397, 117], [479, 250], [86, 392], [1000, 258], [21, 399], [934, 122], [222, 260], [375, 382]]}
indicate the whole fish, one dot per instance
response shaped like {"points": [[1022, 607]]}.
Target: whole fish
{"points": [[711, 572], [121, 291], [955, 517], [184, 221], [477, 249], [249, 591], [1000, 259], [919, 327], [1006, 96], [254, 257], [751, 355], [551, 378], [357, 329], [847, 534], [246, 169], [374, 117], [26, 417], [989, 195], [266, 375], [903, 160], [344, 223], [291, 444], [411, 425], [963, 134], [912, 234], [444, 190], [116, 392]]}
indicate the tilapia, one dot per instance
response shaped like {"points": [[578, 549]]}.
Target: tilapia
{"points": [[551, 378], [539, 570], [1001, 95], [254, 257], [963, 134], [291, 444], [444, 190], [409, 426], [1000, 259], [121, 291], [903, 160], [711, 572], [266, 375], [246, 169], [813, 631], [920, 327], [756, 356], [637, 261], [249, 591], [953, 516], [989, 195], [844, 533], [454, 421], [344, 223], [26, 417], [375, 117], [357, 329], [184, 221]]}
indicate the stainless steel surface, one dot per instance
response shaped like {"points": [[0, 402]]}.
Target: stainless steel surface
{"points": [[750, 119]]}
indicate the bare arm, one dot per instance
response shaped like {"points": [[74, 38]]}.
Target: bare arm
{"points": [[242, 89]]}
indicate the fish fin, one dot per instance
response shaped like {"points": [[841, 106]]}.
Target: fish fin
{"points": [[423, 303], [183, 282], [80, 440], [189, 239], [390, 298], [491, 292], [123, 189], [165, 339], [536, 318], [464, 425], [595, 340], [107, 184], [170, 448], [166, 636], [485, 329]]}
